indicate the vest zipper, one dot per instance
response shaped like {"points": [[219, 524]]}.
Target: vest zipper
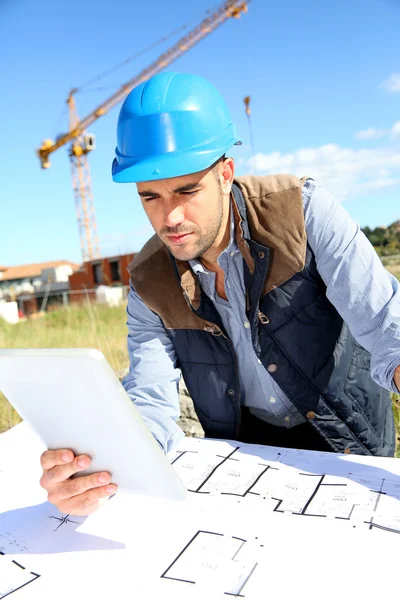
{"points": [[262, 318]]}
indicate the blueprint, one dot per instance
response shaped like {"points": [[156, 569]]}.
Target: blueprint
{"points": [[13, 576], [256, 519], [301, 483]]}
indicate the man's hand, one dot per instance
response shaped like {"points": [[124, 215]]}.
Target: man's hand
{"points": [[78, 496], [397, 378]]}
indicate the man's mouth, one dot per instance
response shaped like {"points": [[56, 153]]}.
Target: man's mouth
{"points": [[179, 239]]}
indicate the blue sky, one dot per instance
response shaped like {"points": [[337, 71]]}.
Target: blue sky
{"points": [[324, 81]]}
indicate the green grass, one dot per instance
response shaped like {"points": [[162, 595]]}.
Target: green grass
{"points": [[87, 326]]}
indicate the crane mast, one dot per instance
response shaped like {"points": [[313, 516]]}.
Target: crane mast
{"points": [[83, 143], [81, 184]]}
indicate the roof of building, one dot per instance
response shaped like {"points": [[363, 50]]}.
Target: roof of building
{"points": [[34, 270]]}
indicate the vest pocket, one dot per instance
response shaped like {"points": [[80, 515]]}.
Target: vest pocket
{"points": [[366, 397]]}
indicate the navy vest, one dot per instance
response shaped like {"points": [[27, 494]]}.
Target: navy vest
{"points": [[303, 343]]}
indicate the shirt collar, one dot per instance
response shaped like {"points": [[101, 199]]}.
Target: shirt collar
{"points": [[196, 263]]}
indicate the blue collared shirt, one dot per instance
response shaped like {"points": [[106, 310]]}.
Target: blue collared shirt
{"points": [[363, 292], [255, 381]]}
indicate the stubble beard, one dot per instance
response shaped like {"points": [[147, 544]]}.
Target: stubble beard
{"points": [[205, 240]]}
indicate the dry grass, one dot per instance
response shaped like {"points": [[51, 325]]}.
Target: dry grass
{"points": [[392, 264]]}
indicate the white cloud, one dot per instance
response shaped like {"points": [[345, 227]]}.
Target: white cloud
{"points": [[392, 83], [370, 134], [373, 134], [343, 171], [395, 131]]}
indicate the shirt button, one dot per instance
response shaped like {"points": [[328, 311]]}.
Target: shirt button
{"points": [[231, 392], [287, 419], [246, 324], [261, 254], [272, 400], [232, 254], [272, 368], [259, 361], [310, 415]]}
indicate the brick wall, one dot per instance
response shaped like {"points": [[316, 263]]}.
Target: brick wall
{"points": [[105, 271]]}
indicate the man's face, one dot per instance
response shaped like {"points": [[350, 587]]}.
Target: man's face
{"points": [[186, 212]]}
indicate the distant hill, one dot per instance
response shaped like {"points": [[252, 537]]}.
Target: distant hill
{"points": [[386, 240]]}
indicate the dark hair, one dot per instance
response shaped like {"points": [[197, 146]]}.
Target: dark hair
{"points": [[214, 165]]}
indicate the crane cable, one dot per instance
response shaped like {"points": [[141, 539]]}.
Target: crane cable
{"points": [[133, 57]]}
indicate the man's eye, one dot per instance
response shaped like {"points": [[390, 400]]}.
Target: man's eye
{"points": [[189, 193]]}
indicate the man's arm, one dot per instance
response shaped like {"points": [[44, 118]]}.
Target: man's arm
{"points": [[153, 378], [364, 293]]}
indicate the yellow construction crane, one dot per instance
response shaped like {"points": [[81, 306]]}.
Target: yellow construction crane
{"points": [[82, 143]]}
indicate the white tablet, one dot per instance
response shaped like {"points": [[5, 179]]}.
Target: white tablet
{"points": [[73, 399]]}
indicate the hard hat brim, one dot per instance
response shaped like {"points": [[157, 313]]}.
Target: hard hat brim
{"points": [[168, 165]]}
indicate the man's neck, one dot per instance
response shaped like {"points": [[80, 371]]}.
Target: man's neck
{"points": [[210, 258]]}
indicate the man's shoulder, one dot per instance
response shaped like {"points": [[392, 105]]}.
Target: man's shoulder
{"points": [[262, 185]]}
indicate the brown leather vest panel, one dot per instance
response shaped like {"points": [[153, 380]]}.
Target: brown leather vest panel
{"points": [[276, 220]]}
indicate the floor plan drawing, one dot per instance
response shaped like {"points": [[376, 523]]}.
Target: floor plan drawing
{"points": [[254, 520], [63, 521], [209, 556], [13, 576], [10, 544], [218, 473], [43, 529], [293, 482], [34, 528]]}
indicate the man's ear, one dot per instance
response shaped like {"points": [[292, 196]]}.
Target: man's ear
{"points": [[227, 175]]}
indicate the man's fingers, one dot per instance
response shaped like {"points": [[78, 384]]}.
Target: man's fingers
{"points": [[78, 486], [86, 503], [53, 458], [85, 512], [60, 473], [73, 495]]}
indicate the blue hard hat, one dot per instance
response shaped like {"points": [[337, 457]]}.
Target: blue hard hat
{"points": [[171, 125]]}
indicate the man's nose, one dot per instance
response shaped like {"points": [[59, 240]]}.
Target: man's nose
{"points": [[174, 214]]}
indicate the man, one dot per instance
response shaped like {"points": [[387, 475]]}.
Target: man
{"points": [[261, 291]]}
